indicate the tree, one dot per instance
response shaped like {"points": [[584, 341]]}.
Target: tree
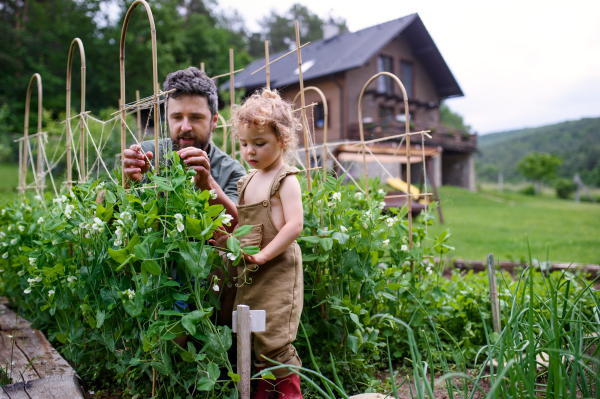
{"points": [[452, 119], [281, 32], [538, 166]]}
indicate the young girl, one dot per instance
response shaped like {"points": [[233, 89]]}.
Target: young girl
{"points": [[270, 199]]}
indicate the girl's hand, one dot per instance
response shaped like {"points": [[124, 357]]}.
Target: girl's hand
{"points": [[258, 259], [219, 239]]}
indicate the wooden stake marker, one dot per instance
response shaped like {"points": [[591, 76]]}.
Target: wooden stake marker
{"points": [[493, 292], [249, 321]]}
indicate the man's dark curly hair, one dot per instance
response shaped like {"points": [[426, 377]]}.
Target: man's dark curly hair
{"points": [[193, 81]]}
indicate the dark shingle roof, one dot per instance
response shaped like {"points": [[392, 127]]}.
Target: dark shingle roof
{"points": [[352, 50]]}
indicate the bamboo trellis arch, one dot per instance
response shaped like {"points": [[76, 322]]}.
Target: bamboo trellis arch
{"points": [[326, 116], [81, 163], [24, 143]]}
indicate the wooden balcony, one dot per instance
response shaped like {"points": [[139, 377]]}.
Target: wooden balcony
{"points": [[441, 136]]}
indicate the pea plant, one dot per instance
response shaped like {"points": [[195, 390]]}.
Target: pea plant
{"points": [[116, 276]]}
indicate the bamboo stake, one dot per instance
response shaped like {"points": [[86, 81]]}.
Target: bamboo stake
{"points": [[231, 95], [277, 59], [82, 172], [154, 82], [224, 126], [407, 133], [21, 189], [302, 103], [493, 292], [139, 116], [38, 78], [326, 111], [267, 64], [202, 66]]}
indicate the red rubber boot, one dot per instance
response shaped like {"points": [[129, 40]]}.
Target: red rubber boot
{"points": [[265, 389], [289, 387]]}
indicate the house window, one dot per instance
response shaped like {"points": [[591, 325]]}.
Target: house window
{"points": [[407, 77], [384, 83], [386, 113], [319, 116]]}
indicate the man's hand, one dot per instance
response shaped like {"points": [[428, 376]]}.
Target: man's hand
{"points": [[135, 164], [196, 158]]}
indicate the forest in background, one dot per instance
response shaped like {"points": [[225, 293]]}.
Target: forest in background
{"points": [[576, 142]]}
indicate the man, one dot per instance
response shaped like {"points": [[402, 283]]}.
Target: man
{"points": [[192, 116]]}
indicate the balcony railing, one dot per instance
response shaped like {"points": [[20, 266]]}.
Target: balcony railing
{"points": [[447, 138]]}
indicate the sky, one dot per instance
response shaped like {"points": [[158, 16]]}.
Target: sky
{"points": [[519, 63]]}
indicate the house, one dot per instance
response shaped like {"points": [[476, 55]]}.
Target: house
{"points": [[341, 64]]}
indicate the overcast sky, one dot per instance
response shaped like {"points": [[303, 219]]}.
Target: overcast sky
{"points": [[519, 63]]}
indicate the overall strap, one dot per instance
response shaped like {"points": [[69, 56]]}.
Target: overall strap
{"points": [[284, 171], [242, 184]]}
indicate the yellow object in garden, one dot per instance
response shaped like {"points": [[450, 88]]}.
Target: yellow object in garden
{"points": [[401, 185]]}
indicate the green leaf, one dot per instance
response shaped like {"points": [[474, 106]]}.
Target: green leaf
{"points": [[310, 239], [194, 228], [205, 384], [389, 296], [340, 237], [309, 258], [140, 252], [195, 258], [394, 286], [62, 338], [160, 368], [118, 255], [189, 323], [170, 313], [110, 197], [100, 317], [268, 375], [213, 371], [326, 243], [251, 249], [242, 230], [234, 377], [355, 319], [352, 343], [152, 267], [233, 244], [181, 297], [214, 210]]}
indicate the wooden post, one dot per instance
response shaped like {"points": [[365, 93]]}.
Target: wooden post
{"points": [[244, 347], [139, 116], [500, 182], [493, 292], [303, 104], [232, 96], [267, 64], [202, 66]]}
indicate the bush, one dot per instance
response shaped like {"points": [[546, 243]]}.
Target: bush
{"points": [[564, 188], [529, 190]]}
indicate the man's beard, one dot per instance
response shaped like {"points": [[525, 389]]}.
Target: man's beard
{"points": [[197, 143]]}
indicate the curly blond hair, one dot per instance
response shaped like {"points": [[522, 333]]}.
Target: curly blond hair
{"points": [[267, 108]]}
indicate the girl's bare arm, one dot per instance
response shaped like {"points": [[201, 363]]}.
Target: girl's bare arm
{"points": [[291, 200]]}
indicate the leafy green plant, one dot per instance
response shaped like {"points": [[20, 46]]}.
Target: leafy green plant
{"points": [[564, 188]]}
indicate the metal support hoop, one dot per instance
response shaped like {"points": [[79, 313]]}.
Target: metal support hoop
{"points": [[407, 125], [154, 82], [82, 171]]}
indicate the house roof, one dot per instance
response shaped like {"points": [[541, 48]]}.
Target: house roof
{"points": [[353, 50]]}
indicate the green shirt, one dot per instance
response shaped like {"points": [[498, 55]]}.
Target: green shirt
{"points": [[223, 168]]}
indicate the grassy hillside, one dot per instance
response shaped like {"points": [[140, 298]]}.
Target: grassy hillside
{"points": [[576, 142], [487, 222]]}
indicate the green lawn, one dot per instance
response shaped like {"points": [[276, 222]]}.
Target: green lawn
{"points": [[488, 222]]}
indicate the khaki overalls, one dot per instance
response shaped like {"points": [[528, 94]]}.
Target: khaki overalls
{"points": [[276, 286]]}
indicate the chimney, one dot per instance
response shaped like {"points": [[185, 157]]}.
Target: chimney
{"points": [[330, 29]]}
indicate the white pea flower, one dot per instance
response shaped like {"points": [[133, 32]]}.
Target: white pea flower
{"points": [[98, 225], [21, 273], [50, 292], [40, 220], [365, 226], [21, 228], [64, 198], [390, 222], [404, 239], [215, 288], [213, 194], [126, 216], [343, 229], [28, 209], [178, 216], [14, 241], [429, 270], [148, 230], [231, 256], [32, 261], [417, 244], [1, 270], [358, 195], [386, 242], [226, 219], [27, 290], [332, 204], [4, 244], [337, 196], [5, 255], [71, 279], [68, 210], [381, 205], [404, 248], [3, 212], [381, 191], [37, 197], [87, 235], [180, 226], [2, 235], [117, 243], [130, 294], [10, 228]]}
